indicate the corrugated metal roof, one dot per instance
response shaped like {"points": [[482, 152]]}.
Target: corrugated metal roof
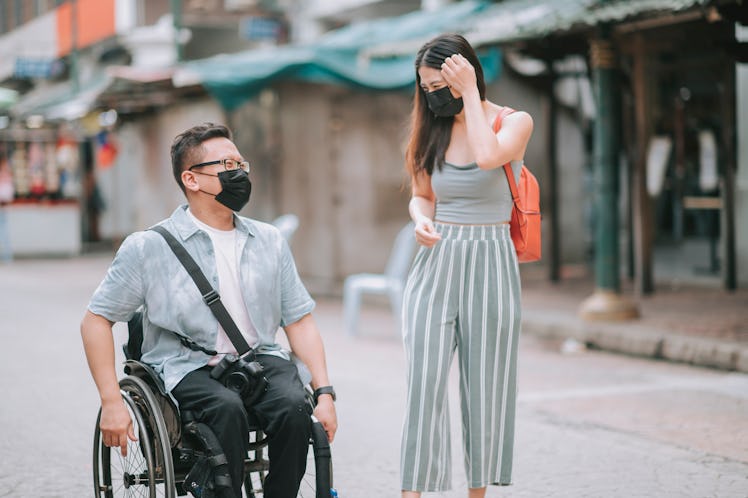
{"points": [[523, 19], [337, 57], [61, 100], [514, 20], [379, 54]]}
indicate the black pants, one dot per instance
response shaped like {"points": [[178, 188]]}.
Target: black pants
{"points": [[282, 413]]}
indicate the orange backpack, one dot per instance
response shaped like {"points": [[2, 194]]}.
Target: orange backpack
{"points": [[525, 223]]}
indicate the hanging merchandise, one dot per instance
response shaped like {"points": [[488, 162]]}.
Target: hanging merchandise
{"points": [[658, 157], [67, 163], [19, 169], [51, 172], [708, 171], [6, 183], [106, 150], [36, 170]]}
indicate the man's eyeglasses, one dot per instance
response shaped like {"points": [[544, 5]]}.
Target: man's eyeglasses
{"points": [[228, 164]]}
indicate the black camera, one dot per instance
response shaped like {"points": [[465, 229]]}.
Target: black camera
{"points": [[242, 376]]}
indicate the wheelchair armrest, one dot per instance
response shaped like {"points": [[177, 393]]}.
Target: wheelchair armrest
{"points": [[145, 372], [169, 405]]}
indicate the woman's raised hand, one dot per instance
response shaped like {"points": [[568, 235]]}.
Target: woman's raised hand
{"points": [[459, 74]]}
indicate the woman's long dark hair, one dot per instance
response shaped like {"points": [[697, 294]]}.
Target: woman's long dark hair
{"points": [[429, 135]]}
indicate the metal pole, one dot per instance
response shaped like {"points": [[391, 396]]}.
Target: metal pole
{"points": [[642, 203], [74, 48], [554, 266], [729, 270], [176, 14]]}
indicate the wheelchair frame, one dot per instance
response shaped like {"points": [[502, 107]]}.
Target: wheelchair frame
{"points": [[158, 462]]}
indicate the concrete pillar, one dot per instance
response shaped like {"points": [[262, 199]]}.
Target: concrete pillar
{"points": [[606, 303]]}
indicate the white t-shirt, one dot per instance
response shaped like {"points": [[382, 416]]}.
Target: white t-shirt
{"points": [[227, 265]]}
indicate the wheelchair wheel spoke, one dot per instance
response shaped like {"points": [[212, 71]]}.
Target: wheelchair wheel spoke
{"points": [[153, 468], [308, 487], [129, 474], [142, 472]]}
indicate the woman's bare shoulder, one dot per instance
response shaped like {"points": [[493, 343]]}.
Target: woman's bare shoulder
{"points": [[516, 118]]}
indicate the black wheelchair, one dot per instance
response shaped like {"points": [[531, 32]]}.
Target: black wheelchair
{"points": [[170, 444]]}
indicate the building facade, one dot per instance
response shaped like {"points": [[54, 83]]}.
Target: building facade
{"points": [[318, 95]]}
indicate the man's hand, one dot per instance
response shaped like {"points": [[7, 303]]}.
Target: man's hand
{"points": [[325, 413], [116, 425]]}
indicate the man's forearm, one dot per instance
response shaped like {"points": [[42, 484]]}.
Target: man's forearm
{"points": [[98, 343], [306, 343]]}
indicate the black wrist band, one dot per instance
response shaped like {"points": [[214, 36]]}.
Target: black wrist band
{"points": [[324, 390]]}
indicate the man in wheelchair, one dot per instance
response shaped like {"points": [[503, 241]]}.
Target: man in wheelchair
{"points": [[251, 267]]}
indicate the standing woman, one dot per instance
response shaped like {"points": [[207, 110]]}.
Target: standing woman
{"points": [[463, 291]]}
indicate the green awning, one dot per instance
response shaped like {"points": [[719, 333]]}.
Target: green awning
{"points": [[340, 57]]}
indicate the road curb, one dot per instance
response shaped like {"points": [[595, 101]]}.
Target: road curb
{"points": [[638, 340]]}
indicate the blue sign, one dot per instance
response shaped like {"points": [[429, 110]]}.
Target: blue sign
{"points": [[260, 28], [38, 68]]}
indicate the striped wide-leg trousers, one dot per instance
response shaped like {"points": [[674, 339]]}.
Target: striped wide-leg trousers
{"points": [[462, 294]]}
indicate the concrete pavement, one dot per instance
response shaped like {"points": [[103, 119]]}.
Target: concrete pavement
{"points": [[688, 324], [590, 424]]}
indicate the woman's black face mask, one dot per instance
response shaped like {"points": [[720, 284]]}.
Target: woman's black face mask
{"points": [[442, 103]]}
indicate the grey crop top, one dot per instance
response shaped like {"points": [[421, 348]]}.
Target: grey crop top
{"points": [[470, 195]]}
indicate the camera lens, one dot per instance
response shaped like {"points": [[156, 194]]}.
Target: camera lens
{"points": [[237, 381]]}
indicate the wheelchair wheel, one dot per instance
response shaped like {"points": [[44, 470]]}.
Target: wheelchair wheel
{"points": [[147, 470], [317, 481]]}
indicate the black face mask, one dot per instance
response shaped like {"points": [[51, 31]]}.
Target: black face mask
{"points": [[442, 103], [235, 189]]}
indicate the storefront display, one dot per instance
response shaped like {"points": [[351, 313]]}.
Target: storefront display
{"points": [[44, 171], [44, 215]]}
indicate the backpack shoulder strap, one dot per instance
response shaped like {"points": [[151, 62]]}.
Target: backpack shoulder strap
{"points": [[504, 112]]}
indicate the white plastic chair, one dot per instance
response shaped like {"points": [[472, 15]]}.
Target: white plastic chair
{"points": [[287, 224], [390, 283]]}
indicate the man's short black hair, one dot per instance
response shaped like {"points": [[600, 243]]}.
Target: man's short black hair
{"points": [[186, 148]]}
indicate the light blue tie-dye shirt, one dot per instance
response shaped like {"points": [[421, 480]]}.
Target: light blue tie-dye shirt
{"points": [[146, 273]]}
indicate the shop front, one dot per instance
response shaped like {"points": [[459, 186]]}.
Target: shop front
{"points": [[42, 214]]}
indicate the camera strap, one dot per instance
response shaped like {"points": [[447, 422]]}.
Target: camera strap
{"points": [[210, 296]]}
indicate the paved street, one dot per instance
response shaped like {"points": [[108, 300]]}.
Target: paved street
{"points": [[590, 424]]}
